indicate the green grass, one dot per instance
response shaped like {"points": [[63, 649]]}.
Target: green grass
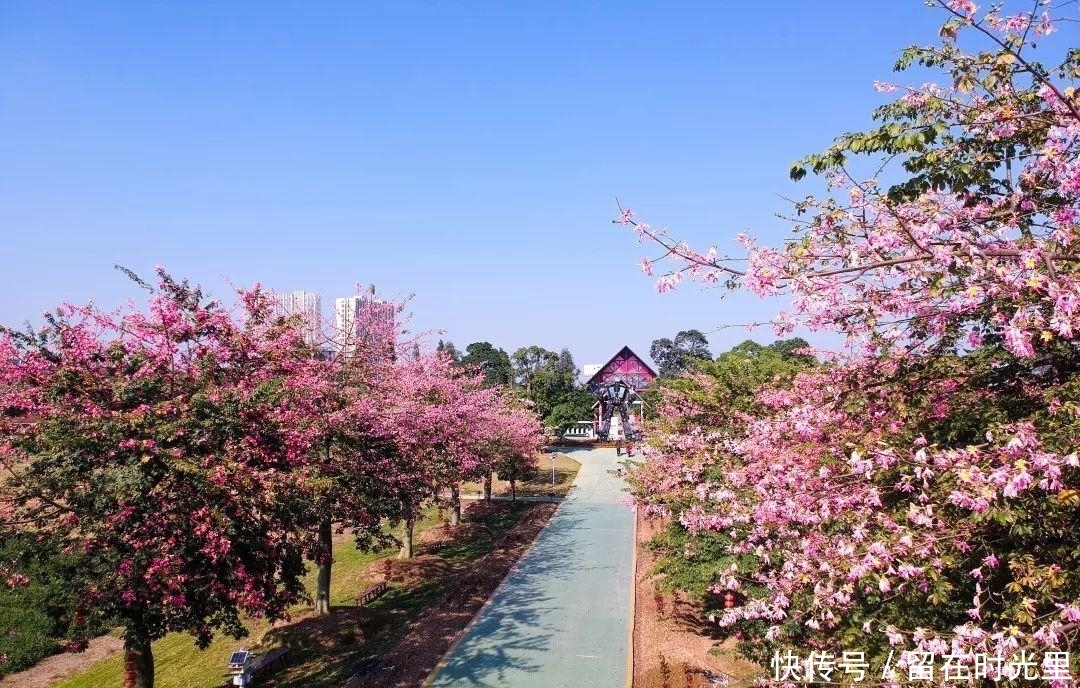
{"points": [[322, 649], [353, 635], [179, 664], [326, 649]]}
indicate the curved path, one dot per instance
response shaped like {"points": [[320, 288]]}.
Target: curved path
{"points": [[562, 617]]}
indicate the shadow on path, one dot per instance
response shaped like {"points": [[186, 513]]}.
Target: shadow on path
{"points": [[562, 616]]}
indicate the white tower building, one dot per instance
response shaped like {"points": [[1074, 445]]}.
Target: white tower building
{"points": [[306, 305]]}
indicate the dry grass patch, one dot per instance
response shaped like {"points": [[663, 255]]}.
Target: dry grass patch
{"points": [[536, 485]]}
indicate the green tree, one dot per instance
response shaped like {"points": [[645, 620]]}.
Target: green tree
{"points": [[494, 363], [674, 357], [549, 380], [566, 367], [574, 406], [529, 361], [554, 383], [450, 350], [791, 348]]}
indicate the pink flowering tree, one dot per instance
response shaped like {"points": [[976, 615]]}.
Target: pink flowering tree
{"points": [[499, 433], [354, 459], [507, 441], [426, 412], [352, 456], [919, 491], [447, 427], [515, 442], [167, 447]]}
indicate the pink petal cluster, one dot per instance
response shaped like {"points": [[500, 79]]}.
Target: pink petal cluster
{"points": [[932, 464], [191, 450]]}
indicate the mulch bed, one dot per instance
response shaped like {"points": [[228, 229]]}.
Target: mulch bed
{"points": [[417, 654], [670, 630]]}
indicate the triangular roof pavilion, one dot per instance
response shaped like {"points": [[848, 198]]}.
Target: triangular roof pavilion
{"points": [[625, 366]]}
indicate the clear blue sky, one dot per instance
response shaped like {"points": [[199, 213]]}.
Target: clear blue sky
{"points": [[471, 156]]}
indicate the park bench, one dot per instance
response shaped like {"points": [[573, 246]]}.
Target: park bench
{"points": [[370, 594]]}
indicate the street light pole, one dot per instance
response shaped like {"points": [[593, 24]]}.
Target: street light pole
{"points": [[552, 476]]}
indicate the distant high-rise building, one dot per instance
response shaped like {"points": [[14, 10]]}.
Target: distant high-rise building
{"points": [[306, 305], [359, 318], [345, 312]]}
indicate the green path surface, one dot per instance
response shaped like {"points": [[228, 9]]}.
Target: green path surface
{"points": [[563, 616]]}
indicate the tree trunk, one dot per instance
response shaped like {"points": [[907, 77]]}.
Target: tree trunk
{"points": [[513, 490], [326, 561], [455, 505], [138, 663], [407, 538], [487, 487]]}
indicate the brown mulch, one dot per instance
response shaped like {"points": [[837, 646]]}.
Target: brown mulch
{"points": [[53, 669], [419, 568], [417, 654], [481, 509], [676, 632], [434, 537]]}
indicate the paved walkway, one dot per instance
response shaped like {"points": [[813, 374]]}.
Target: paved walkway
{"points": [[563, 617]]}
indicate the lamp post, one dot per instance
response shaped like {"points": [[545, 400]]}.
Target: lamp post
{"points": [[553, 476]]}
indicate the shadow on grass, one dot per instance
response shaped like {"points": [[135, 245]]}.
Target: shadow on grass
{"points": [[496, 519], [326, 651]]}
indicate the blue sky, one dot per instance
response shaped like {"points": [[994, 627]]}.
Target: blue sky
{"points": [[469, 153]]}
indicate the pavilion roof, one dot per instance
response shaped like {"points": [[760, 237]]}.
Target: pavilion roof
{"points": [[625, 366]]}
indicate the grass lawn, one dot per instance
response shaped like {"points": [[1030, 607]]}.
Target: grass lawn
{"points": [[537, 485], [179, 664], [328, 648], [323, 649]]}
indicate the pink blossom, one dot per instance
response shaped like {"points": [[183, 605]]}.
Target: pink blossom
{"points": [[1070, 612], [964, 7]]}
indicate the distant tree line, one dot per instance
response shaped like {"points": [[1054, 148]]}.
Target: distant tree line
{"points": [[551, 384], [547, 381]]}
